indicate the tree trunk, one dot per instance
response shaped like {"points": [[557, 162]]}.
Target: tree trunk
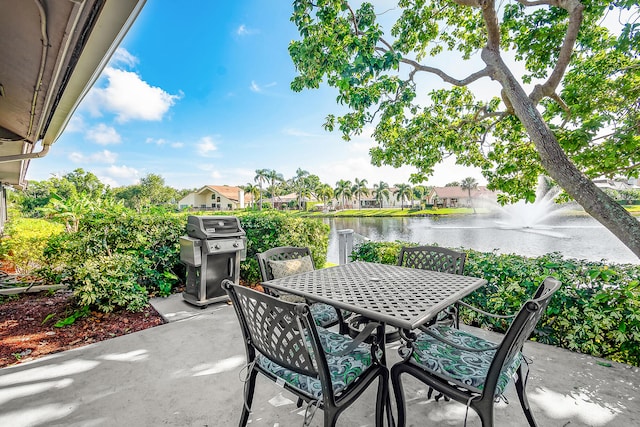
{"points": [[559, 167]]}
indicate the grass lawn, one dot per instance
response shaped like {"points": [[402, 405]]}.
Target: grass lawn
{"points": [[634, 209], [397, 212], [374, 212]]}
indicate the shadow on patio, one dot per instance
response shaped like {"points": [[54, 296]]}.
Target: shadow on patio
{"points": [[187, 373]]}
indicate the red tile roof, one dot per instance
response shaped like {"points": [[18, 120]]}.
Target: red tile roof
{"points": [[230, 192]]}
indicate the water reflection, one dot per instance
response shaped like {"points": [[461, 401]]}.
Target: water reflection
{"points": [[574, 236]]}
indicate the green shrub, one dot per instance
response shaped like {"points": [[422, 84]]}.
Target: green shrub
{"points": [[596, 311], [270, 229], [109, 282], [380, 252], [152, 239], [24, 241]]}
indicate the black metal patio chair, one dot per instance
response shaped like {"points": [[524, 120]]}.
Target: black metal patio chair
{"points": [[469, 369], [435, 258], [286, 260], [325, 369]]}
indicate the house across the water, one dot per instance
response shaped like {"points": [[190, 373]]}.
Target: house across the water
{"points": [[216, 198]]}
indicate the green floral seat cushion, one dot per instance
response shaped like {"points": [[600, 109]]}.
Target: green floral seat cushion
{"points": [[343, 370], [468, 368], [323, 314]]}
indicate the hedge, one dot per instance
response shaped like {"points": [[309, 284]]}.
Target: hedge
{"points": [[146, 246], [597, 310], [270, 229]]}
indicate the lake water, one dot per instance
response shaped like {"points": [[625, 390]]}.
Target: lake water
{"points": [[579, 237]]}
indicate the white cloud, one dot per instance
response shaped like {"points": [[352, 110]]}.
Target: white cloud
{"points": [[255, 87], [206, 147], [124, 172], [104, 156], [215, 174], [117, 176], [76, 124], [357, 164], [240, 175], [107, 180], [448, 171], [103, 135], [242, 30], [162, 141], [122, 56], [360, 167], [129, 97]]}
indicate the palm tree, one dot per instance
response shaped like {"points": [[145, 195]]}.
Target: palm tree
{"points": [[360, 189], [380, 191], [299, 185], [403, 191], [343, 190], [274, 178], [254, 190], [469, 184], [303, 193], [260, 178], [324, 192]]}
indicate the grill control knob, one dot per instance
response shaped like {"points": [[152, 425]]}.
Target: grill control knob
{"points": [[235, 245], [217, 246]]}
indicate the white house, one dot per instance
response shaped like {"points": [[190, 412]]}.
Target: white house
{"points": [[215, 197], [616, 184], [454, 197], [369, 200]]}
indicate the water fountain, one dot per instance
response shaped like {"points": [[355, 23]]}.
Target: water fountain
{"points": [[530, 229], [532, 217], [529, 215]]}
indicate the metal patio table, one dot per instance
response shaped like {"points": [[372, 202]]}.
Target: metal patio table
{"points": [[397, 296], [392, 295]]}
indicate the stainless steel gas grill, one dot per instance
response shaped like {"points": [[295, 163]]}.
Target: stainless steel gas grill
{"points": [[212, 251]]}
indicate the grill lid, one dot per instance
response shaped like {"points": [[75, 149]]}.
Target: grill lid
{"points": [[211, 227]]}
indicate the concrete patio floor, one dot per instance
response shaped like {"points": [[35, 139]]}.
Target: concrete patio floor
{"points": [[187, 373]]}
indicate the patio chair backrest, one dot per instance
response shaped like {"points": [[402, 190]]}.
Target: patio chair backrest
{"points": [[432, 258], [277, 329], [519, 331], [279, 254]]}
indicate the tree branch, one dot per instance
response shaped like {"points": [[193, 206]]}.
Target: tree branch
{"points": [[629, 168], [491, 21], [562, 104], [548, 88], [538, 2], [444, 76], [487, 114], [470, 3], [483, 141], [490, 18]]}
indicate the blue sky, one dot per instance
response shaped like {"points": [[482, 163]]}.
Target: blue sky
{"points": [[199, 93]]}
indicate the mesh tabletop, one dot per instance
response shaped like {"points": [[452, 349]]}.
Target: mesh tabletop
{"points": [[399, 296]]}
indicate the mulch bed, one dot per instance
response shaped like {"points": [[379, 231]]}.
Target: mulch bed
{"points": [[27, 328]]}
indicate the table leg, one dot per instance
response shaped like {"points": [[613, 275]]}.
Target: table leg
{"points": [[383, 360]]}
